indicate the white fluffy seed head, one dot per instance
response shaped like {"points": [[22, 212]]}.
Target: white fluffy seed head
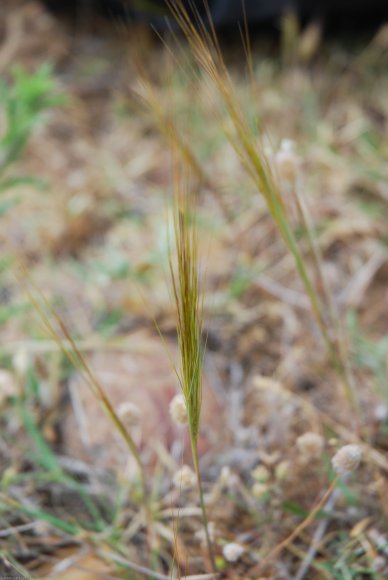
{"points": [[282, 470], [310, 445], [224, 476], [287, 161], [379, 564], [232, 551], [129, 413], [347, 459], [178, 409], [8, 386], [259, 489], [200, 535], [42, 528], [227, 479], [185, 478], [21, 362], [381, 413], [261, 474]]}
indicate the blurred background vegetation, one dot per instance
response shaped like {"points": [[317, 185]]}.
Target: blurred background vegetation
{"points": [[91, 102]]}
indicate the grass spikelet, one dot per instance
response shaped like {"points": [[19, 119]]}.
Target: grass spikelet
{"points": [[188, 297]]}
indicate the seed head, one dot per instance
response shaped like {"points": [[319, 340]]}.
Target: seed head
{"points": [[42, 528], [282, 470], [259, 489], [310, 445], [8, 386], [129, 413], [185, 478], [381, 413], [21, 362], [227, 479], [261, 474], [347, 459], [379, 564], [232, 551], [200, 535], [178, 409], [287, 162]]}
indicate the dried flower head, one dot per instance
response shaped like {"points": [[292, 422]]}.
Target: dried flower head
{"points": [[379, 564], [8, 386], [178, 410], [185, 478], [42, 528], [129, 413], [310, 445], [261, 473], [381, 413], [282, 470], [259, 489], [200, 535], [287, 162], [347, 459], [227, 478], [232, 551], [21, 362]]}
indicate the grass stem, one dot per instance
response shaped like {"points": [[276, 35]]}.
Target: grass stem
{"points": [[194, 450]]}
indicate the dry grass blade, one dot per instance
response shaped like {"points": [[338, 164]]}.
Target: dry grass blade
{"points": [[69, 348], [66, 344]]}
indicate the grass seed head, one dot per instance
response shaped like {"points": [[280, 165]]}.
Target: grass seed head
{"points": [[188, 297], [347, 459]]}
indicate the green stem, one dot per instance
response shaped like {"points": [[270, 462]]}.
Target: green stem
{"points": [[194, 450]]}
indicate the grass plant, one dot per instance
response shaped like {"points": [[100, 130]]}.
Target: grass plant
{"points": [[206, 51], [188, 297]]}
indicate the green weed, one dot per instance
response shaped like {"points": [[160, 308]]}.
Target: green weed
{"points": [[24, 100]]}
